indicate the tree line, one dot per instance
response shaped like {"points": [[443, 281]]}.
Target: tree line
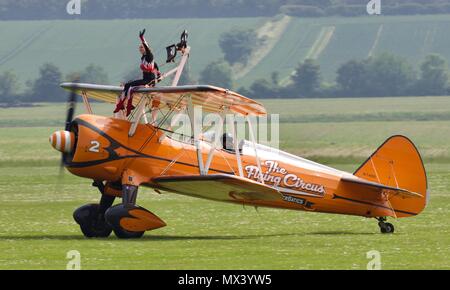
{"points": [[45, 88], [113, 9], [383, 75], [378, 76]]}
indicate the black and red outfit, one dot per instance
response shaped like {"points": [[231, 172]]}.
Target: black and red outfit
{"points": [[150, 73]]}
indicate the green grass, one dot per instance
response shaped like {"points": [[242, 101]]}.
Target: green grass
{"points": [[112, 44], [37, 229]]}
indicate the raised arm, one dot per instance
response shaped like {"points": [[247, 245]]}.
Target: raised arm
{"points": [[144, 43]]}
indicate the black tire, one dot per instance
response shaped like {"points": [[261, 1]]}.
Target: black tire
{"points": [[123, 234], [386, 228], [389, 228], [91, 225], [113, 216]]}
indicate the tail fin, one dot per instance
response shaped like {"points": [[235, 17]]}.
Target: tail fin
{"points": [[397, 163]]}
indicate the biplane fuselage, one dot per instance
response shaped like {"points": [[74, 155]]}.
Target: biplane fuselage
{"points": [[121, 154], [104, 151]]}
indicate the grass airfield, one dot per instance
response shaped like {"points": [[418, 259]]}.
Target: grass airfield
{"points": [[37, 229]]}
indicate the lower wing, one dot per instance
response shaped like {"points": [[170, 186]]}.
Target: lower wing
{"points": [[220, 187]]}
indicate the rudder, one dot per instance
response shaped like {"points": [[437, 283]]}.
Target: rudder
{"points": [[397, 163]]}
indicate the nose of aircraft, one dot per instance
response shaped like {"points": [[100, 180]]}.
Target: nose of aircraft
{"points": [[63, 141]]}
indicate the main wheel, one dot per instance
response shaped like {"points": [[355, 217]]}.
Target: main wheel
{"points": [[386, 228], [123, 234], [389, 228], [113, 216], [92, 224]]}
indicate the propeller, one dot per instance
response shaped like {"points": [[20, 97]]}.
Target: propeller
{"points": [[71, 105]]}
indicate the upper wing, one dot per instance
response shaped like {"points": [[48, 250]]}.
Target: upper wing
{"points": [[212, 99], [220, 187], [102, 93]]}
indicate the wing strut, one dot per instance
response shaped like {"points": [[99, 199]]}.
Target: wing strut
{"points": [[233, 127], [180, 67], [87, 105], [196, 134], [140, 112], [217, 135], [258, 161]]}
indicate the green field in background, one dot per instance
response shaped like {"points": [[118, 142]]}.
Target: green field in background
{"points": [[37, 229], [112, 44]]}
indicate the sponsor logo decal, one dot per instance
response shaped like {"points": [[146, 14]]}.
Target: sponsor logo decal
{"points": [[294, 199], [280, 177], [297, 200]]}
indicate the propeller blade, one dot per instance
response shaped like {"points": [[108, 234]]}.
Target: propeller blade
{"points": [[61, 167], [71, 104]]}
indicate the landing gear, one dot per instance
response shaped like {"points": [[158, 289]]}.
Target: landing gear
{"points": [[91, 218], [114, 216], [385, 228], [120, 212], [129, 221]]}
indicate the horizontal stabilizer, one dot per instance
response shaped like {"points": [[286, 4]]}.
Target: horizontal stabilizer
{"points": [[374, 190], [220, 187]]}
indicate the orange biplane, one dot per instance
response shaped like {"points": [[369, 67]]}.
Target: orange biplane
{"points": [[121, 154]]}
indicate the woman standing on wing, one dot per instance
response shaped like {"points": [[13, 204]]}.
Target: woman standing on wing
{"points": [[150, 72]]}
